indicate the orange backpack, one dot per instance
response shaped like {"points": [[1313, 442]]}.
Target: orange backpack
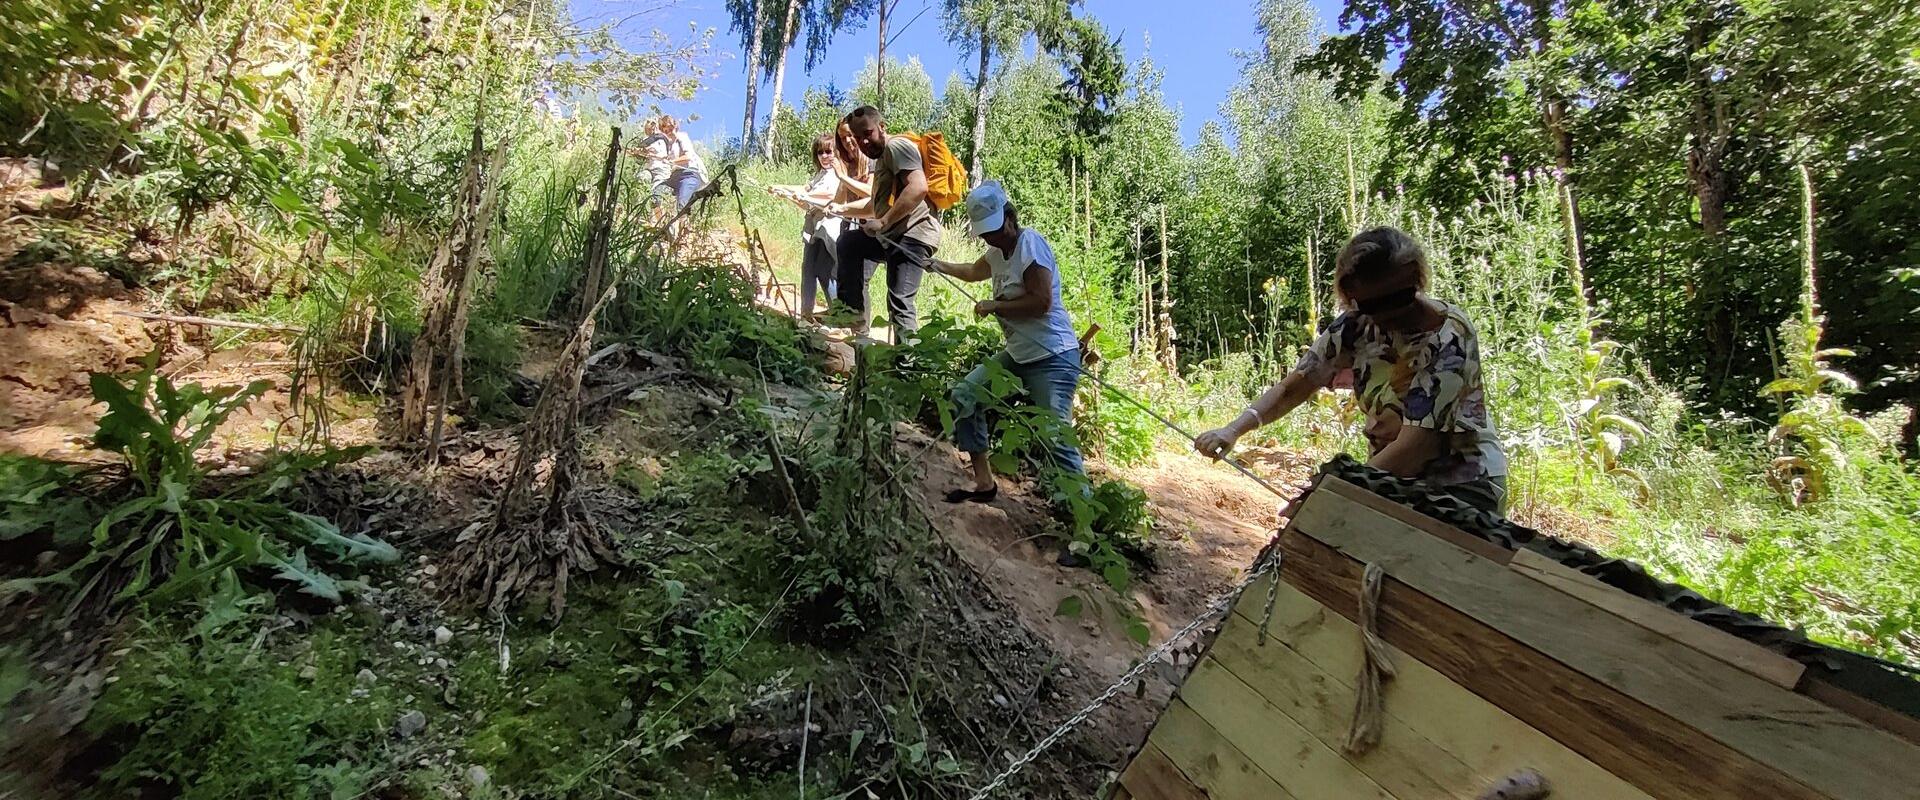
{"points": [[946, 176]]}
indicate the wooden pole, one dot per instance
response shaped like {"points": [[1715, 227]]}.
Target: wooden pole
{"points": [[1167, 353]]}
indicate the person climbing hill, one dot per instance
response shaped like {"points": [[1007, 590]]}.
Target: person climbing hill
{"points": [[819, 232], [1041, 349], [899, 210], [1415, 367]]}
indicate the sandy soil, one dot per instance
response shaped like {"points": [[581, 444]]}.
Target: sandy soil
{"points": [[61, 323]]}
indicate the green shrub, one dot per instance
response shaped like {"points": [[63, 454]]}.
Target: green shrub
{"points": [[217, 719], [163, 533]]}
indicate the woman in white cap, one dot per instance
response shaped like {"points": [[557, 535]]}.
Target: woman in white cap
{"points": [[1041, 350]]}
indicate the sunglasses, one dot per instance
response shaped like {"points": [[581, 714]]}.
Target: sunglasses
{"points": [[1386, 303]]}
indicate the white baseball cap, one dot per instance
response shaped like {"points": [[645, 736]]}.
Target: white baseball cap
{"points": [[987, 208]]}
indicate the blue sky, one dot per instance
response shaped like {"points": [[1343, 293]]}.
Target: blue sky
{"points": [[1193, 45]]}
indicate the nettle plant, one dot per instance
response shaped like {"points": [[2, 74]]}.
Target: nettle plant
{"points": [[160, 531]]}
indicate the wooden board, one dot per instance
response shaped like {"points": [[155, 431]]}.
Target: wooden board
{"points": [[1439, 737], [1732, 650], [1650, 750], [1208, 761], [1293, 757], [1815, 744], [1458, 538], [1907, 727], [1152, 776], [1240, 678]]}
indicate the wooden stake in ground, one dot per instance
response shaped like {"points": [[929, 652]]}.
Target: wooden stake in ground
{"points": [[517, 551], [1167, 354], [434, 377]]}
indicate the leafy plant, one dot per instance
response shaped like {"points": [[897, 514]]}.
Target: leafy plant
{"points": [[162, 533], [1815, 426]]}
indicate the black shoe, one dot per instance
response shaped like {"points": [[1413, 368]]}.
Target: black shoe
{"points": [[971, 496], [1073, 560]]}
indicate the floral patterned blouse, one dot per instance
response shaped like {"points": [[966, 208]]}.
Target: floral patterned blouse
{"points": [[1428, 380]]}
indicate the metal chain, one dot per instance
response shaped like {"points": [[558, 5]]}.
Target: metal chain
{"points": [[1269, 560], [1220, 605]]}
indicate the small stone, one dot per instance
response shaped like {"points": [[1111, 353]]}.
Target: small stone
{"points": [[309, 672], [441, 663], [430, 570], [366, 677], [1066, 673], [477, 775], [442, 635], [1000, 700], [410, 724]]}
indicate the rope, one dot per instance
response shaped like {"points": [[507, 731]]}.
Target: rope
{"points": [[1375, 668]]}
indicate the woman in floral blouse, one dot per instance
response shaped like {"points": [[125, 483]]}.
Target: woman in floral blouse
{"points": [[1414, 363]]}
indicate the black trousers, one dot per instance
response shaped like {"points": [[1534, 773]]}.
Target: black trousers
{"points": [[903, 275]]}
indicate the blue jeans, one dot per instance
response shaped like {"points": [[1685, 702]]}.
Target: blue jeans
{"points": [[684, 183], [1050, 384]]}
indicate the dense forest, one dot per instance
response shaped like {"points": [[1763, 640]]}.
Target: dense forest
{"points": [[369, 435]]}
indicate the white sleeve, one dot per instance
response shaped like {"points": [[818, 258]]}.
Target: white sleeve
{"points": [[1034, 251]]}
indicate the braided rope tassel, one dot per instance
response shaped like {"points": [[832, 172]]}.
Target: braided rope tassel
{"points": [[1375, 669]]}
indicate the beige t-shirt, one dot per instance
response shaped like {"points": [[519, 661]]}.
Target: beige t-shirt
{"points": [[922, 225]]}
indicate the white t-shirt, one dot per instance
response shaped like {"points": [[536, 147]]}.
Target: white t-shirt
{"points": [[658, 168], [818, 223], [681, 143], [1030, 340]]}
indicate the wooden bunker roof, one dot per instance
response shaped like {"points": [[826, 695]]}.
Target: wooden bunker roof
{"points": [[1511, 651]]}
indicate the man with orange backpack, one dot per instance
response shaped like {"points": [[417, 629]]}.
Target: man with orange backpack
{"points": [[900, 221]]}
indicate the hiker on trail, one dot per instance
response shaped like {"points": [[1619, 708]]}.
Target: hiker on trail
{"points": [[689, 171], [1415, 369], [819, 233], [899, 211], [1041, 350], [652, 151]]}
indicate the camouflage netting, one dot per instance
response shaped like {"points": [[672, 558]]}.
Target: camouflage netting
{"points": [[1888, 684]]}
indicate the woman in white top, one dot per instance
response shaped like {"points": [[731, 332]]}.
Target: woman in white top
{"points": [[689, 171], [820, 232], [1041, 349]]}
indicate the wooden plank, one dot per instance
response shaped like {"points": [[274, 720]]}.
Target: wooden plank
{"points": [[1276, 682], [1152, 776], [1886, 718], [1120, 792], [1275, 742], [1732, 650], [1815, 744], [1209, 761], [1648, 749], [1420, 703], [1414, 519]]}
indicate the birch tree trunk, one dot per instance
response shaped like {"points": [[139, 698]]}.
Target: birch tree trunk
{"points": [[753, 77], [880, 59], [779, 79], [980, 108]]}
